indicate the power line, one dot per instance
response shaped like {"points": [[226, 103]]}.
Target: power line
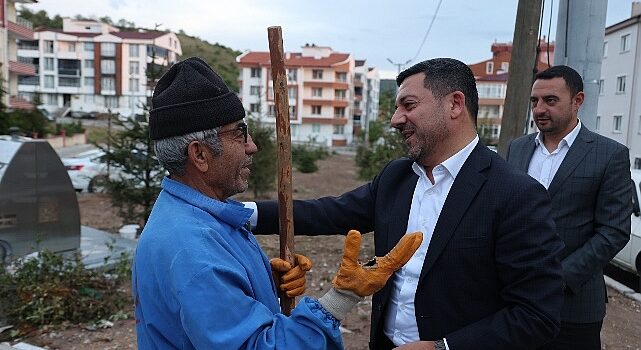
{"points": [[418, 52]]}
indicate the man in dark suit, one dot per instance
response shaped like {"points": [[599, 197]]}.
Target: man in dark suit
{"points": [[588, 179], [487, 275]]}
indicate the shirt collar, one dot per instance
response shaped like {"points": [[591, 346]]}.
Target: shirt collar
{"points": [[229, 211], [454, 163], [569, 138]]}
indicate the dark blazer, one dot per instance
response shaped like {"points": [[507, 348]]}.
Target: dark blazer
{"points": [[491, 278], [590, 196]]}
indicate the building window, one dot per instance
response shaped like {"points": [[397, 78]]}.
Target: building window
{"points": [[505, 66], [317, 73], [616, 125], [71, 47], [342, 77], [639, 126], [254, 90], [340, 94], [108, 49], [292, 112], [108, 84], [292, 92], [316, 128], [317, 92], [339, 129], [51, 99], [111, 102], [625, 43], [621, 84], [339, 112], [597, 127], [134, 84], [133, 50], [605, 49], [108, 66], [292, 75], [89, 81], [48, 46], [316, 110], [49, 81], [254, 107], [489, 67], [601, 82], [66, 81], [89, 47], [271, 111], [255, 72], [89, 64], [48, 63], [637, 163], [134, 67]]}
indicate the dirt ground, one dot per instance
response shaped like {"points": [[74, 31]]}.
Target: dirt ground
{"points": [[621, 330]]}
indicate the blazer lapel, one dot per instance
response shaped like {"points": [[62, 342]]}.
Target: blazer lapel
{"points": [[580, 147], [527, 153], [400, 215], [464, 189]]}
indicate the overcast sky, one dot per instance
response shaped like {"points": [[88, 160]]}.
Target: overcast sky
{"points": [[369, 29]]}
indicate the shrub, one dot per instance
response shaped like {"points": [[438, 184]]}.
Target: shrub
{"points": [[305, 156], [70, 128], [50, 289]]}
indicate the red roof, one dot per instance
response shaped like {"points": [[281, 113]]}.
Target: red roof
{"points": [[138, 35], [123, 35], [494, 77], [295, 59], [45, 29]]}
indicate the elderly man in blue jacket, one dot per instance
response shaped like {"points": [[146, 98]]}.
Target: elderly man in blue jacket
{"points": [[200, 279]]}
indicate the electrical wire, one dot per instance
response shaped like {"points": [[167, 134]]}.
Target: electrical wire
{"points": [[418, 52]]}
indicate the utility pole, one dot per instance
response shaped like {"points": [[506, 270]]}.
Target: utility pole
{"points": [[580, 32], [521, 74]]}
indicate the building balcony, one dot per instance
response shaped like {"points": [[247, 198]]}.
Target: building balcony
{"points": [[22, 68], [21, 28], [358, 83], [358, 111], [69, 72], [358, 97], [20, 103]]}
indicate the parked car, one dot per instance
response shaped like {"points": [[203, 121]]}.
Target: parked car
{"points": [[86, 171], [629, 258]]}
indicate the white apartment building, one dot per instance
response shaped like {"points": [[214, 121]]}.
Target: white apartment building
{"points": [[12, 29], [321, 87], [92, 66], [619, 110], [366, 91]]}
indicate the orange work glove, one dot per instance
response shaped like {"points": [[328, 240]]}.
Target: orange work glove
{"points": [[293, 280], [366, 280]]}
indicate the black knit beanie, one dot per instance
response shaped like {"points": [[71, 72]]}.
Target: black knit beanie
{"points": [[191, 97]]}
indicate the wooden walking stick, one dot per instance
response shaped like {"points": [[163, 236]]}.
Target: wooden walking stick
{"points": [[283, 137]]}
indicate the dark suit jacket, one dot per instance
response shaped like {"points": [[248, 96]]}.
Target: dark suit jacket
{"points": [[590, 196], [491, 278]]}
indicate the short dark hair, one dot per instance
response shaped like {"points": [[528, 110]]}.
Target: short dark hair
{"points": [[572, 78], [444, 76]]}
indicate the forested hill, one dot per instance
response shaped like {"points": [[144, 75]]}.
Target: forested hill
{"points": [[220, 57]]}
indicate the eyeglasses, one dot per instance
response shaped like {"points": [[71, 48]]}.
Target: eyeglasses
{"points": [[241, 126]]}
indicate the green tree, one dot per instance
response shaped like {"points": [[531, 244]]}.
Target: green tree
{"points": [[384, 144], [40, 18], [130, 154], [265, 162]]}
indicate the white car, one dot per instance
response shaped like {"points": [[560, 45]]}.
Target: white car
{"points": [[629, 258], [86, 171]]}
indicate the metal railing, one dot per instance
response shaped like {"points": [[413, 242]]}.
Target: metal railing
{"points": [[24, 23]]}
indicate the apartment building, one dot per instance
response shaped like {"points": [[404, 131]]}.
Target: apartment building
{"points": [[12, 29], [619, 110], [92, 66], [491, 81], [321, 85], [366, 91]]}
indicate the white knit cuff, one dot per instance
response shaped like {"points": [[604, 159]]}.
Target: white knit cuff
{"points": [[339, 302]]}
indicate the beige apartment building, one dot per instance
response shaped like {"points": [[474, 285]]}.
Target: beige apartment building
{"points": [[328, 94]]}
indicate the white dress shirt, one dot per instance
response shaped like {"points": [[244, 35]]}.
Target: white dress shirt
{"points": [[427, 202], [544, 165]]}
